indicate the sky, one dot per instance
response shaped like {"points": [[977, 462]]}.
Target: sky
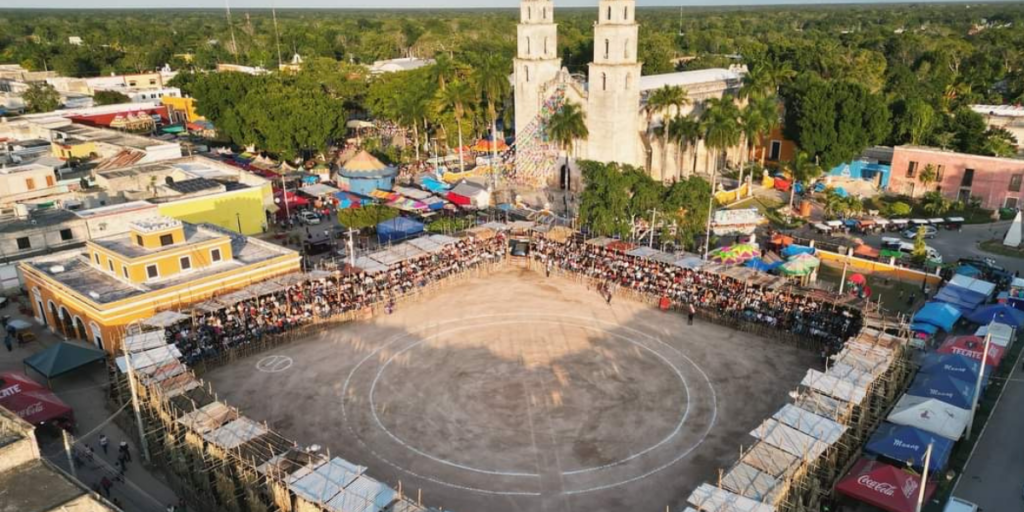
{"points": [[378, 4]]}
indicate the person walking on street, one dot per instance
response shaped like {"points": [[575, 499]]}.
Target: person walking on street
{"points": [[104, 442], [689, 314], [106, 484], [123, 448], [8, 343]]}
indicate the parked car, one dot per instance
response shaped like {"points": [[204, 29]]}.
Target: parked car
{"points": [[309, 218], [929, 232], [907, 249]]}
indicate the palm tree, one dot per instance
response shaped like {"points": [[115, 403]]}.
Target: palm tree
{"points": [[454, 98], [686, 131], [721, 126], [491, 79], [443, 70], [565, 127], [769, 109], [935, 204], [414, 108], [929, 175], [802, 169], [765, 78], [662, 101]]}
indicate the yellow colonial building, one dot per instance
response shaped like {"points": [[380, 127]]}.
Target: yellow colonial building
{"points": [[159, 264]]}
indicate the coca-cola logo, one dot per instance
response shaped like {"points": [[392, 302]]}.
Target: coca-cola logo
{"points": [[879, 487], [31, 410]]}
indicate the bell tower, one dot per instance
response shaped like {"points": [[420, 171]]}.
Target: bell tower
{"points": [[537, 60], [613, 116]]}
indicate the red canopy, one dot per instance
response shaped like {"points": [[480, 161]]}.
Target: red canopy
{"points": [[32, 402], [884, 486], [459, 200], [972, 347]]}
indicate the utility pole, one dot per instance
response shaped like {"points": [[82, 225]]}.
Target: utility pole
{"points": [[654, 218], [711, 208], [284, 198], [144, 446], [924, 477], [277, 35], [842, 282], [231, 26], [67, 451], [351, 248], [977, 384]]}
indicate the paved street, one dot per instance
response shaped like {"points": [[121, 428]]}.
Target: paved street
{"points": [[85, 391], [994, 477]]}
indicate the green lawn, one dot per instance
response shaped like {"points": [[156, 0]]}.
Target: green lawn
{"points": [[894, 293], [997, 247]]}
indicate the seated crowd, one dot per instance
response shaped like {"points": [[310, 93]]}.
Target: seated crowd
{"points": [[712, 294], [210, 333]]}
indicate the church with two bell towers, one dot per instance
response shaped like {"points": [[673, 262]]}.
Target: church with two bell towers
{"points": [[612, 96]]}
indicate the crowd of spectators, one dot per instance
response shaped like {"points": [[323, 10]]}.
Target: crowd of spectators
{"points": [[826, 323], [209, 334]]}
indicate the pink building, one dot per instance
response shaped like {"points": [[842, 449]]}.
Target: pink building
{"points": [[995, 181]]}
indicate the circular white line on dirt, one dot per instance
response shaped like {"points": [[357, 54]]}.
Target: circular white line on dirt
{"points": [[678, 428], [399, 337], [274, 364]]}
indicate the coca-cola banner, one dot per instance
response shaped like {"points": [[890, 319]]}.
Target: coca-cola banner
{"points": [[884, 486], [30, 401]]}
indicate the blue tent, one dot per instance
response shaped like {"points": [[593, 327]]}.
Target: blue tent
{"points": [[928, 329], [955, 365], [1002, 313], [908, 444], [939, 314], [761, 265], [943, 387], [397, 229], [961, 298], [794, 249]]}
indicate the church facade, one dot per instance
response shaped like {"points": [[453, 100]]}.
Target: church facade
{"points": [[612, 96]]}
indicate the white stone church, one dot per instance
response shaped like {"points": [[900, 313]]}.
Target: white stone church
{"points": [[613, 97]]}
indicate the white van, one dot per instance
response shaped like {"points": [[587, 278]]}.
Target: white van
{"points": [[907, 248], [959, 505]]}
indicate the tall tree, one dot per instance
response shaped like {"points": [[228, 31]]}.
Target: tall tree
{"points": [[663, 101], [802, 169], [721, 127], [686, 132], [454, 98], [566, 126], [491, 79]]}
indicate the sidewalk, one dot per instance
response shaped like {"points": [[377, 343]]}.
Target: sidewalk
{"points": [[85, 391]]}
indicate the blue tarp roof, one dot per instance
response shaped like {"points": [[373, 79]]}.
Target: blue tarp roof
{"points": [[961, 298], [763, 266], [63, 358], [939, 314], [923, 327], [909, 444], [944, 388], [397, 229], [794, 249], [1001, 313], [954, 365]]}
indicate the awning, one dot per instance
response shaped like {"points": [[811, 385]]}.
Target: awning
{"points": [[955, 365], [941, 386], [973, 347], [29, 400], [63, 358], [1001, 313], [164, 319], [908, 445], [884, 486], [930, 415]]}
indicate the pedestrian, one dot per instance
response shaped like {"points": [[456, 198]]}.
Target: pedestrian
{"points": [[103, 443], [547, 269], [689, 314], [8, 343], [122, 462], [106, 484], [123, 448], [911, 300]]}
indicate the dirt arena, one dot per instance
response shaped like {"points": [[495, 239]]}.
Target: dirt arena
{"points": [[517, 392]]}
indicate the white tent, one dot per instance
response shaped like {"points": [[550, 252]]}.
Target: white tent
{"points": [[1013, 236], [709, 498], [1002, 334], [975, 285], [930, 415]]}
